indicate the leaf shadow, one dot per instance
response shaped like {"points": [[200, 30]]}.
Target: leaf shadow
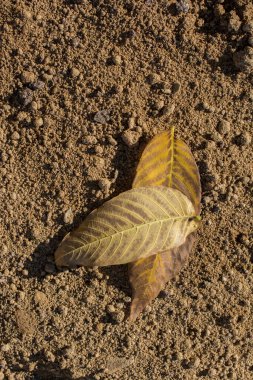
{"points": [[117, 277], [43, 254]]}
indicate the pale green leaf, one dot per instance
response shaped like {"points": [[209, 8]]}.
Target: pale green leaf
{"points": [[137, 223]]}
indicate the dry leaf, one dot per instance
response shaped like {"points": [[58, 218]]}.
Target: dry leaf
{"points": [[165, 161], [148, 276], [137, 223]]}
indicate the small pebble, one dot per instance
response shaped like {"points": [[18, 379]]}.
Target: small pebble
{"points": [[27, 14], [99, 149], [131, 122], [195, 363], [25, 96], [234, 23], [69, 352], [130, 138], [110, 309], [40, 297], [153, 78], [207, 107], [37, 85], [168, 110], [4, 249], [118, 89], [75, 72], [118, 317], [102, 117], [117, 60], [15, 136], [159, 104], [6, 347], [34, 105], [212, 372], [68, 216], [38, 122], [21, 116], [216, 137], [104, 184], [90, 140], [27, 77], [112, 141], [99, 327], [219, 10], [176, 87], [48, 77], [148, 309], [63, 310], [49, 356], [21, 295], [167, 91], [182, 6], [243, 139], [223, 127], [13, 287]]}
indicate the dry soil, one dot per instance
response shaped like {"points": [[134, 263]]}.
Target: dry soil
{"points": [[84, 85]]}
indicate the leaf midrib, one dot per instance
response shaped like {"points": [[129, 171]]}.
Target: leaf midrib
{"points": [[132, 228]]}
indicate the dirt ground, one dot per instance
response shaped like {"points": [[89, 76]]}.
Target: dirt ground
{"points": [[84, 85]]}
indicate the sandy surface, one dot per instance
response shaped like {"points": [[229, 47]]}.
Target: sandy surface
{"points": [[84, 85]]}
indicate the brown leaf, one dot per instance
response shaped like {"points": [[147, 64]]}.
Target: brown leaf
{"points": [[148, 276], [168, 162]]}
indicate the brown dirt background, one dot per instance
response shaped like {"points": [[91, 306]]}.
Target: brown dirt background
{"points": [[147, 65]]}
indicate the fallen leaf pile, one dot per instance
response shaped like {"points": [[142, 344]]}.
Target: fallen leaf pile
{"points": [[150, 226]]}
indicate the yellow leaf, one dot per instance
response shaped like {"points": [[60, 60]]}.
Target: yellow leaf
{"points": [[167, 161]]}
